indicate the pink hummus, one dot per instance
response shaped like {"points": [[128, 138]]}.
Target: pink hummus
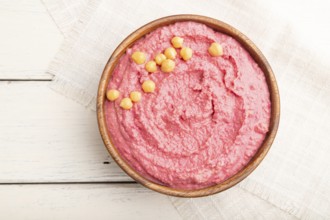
{"points": [[204, 121]]}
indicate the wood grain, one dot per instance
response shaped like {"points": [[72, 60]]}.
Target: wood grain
{"points": [[83, 201], [254, 52], [29, 39], [46, 137]]}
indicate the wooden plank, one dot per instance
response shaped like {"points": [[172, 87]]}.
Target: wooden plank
{"points": [[45, 137], [29, 40], [83, 201]]}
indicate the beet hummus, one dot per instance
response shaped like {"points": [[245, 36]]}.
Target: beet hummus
{"points": [[203, 122]]}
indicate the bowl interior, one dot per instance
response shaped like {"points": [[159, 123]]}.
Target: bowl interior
{"points": [[255, 54]]}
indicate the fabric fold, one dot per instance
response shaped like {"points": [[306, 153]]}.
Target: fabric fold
{"points": [[293, 181]]}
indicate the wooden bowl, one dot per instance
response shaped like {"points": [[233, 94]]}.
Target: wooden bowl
{"points": [[256, 55]]}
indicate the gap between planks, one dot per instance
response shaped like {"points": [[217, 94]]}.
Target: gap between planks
{"points": [[71, 183], [47, 138], [29, 40], [25, 80]]}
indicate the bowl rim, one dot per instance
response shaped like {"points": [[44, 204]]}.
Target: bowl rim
{"points": [[255, 53]]}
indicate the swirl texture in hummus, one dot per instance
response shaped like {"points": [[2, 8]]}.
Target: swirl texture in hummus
{"points": [[204, 121]]}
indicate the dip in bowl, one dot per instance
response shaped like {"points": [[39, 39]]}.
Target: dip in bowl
{"points": [[196, 119]]}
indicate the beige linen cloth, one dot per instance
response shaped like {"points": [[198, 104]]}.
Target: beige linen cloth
{"points": [[294, 179]]}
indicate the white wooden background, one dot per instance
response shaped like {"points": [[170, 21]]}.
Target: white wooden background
{"points": [[46, 172]]}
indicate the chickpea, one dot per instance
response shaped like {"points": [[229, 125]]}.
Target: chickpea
{"points": [[112, 94], [160, 58], [151, 66], [186, 53], [170, 53], [177, 42], [135, 96], [126, 103], [148, 86], [139, 57], [168, 66], [215, 49]]}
